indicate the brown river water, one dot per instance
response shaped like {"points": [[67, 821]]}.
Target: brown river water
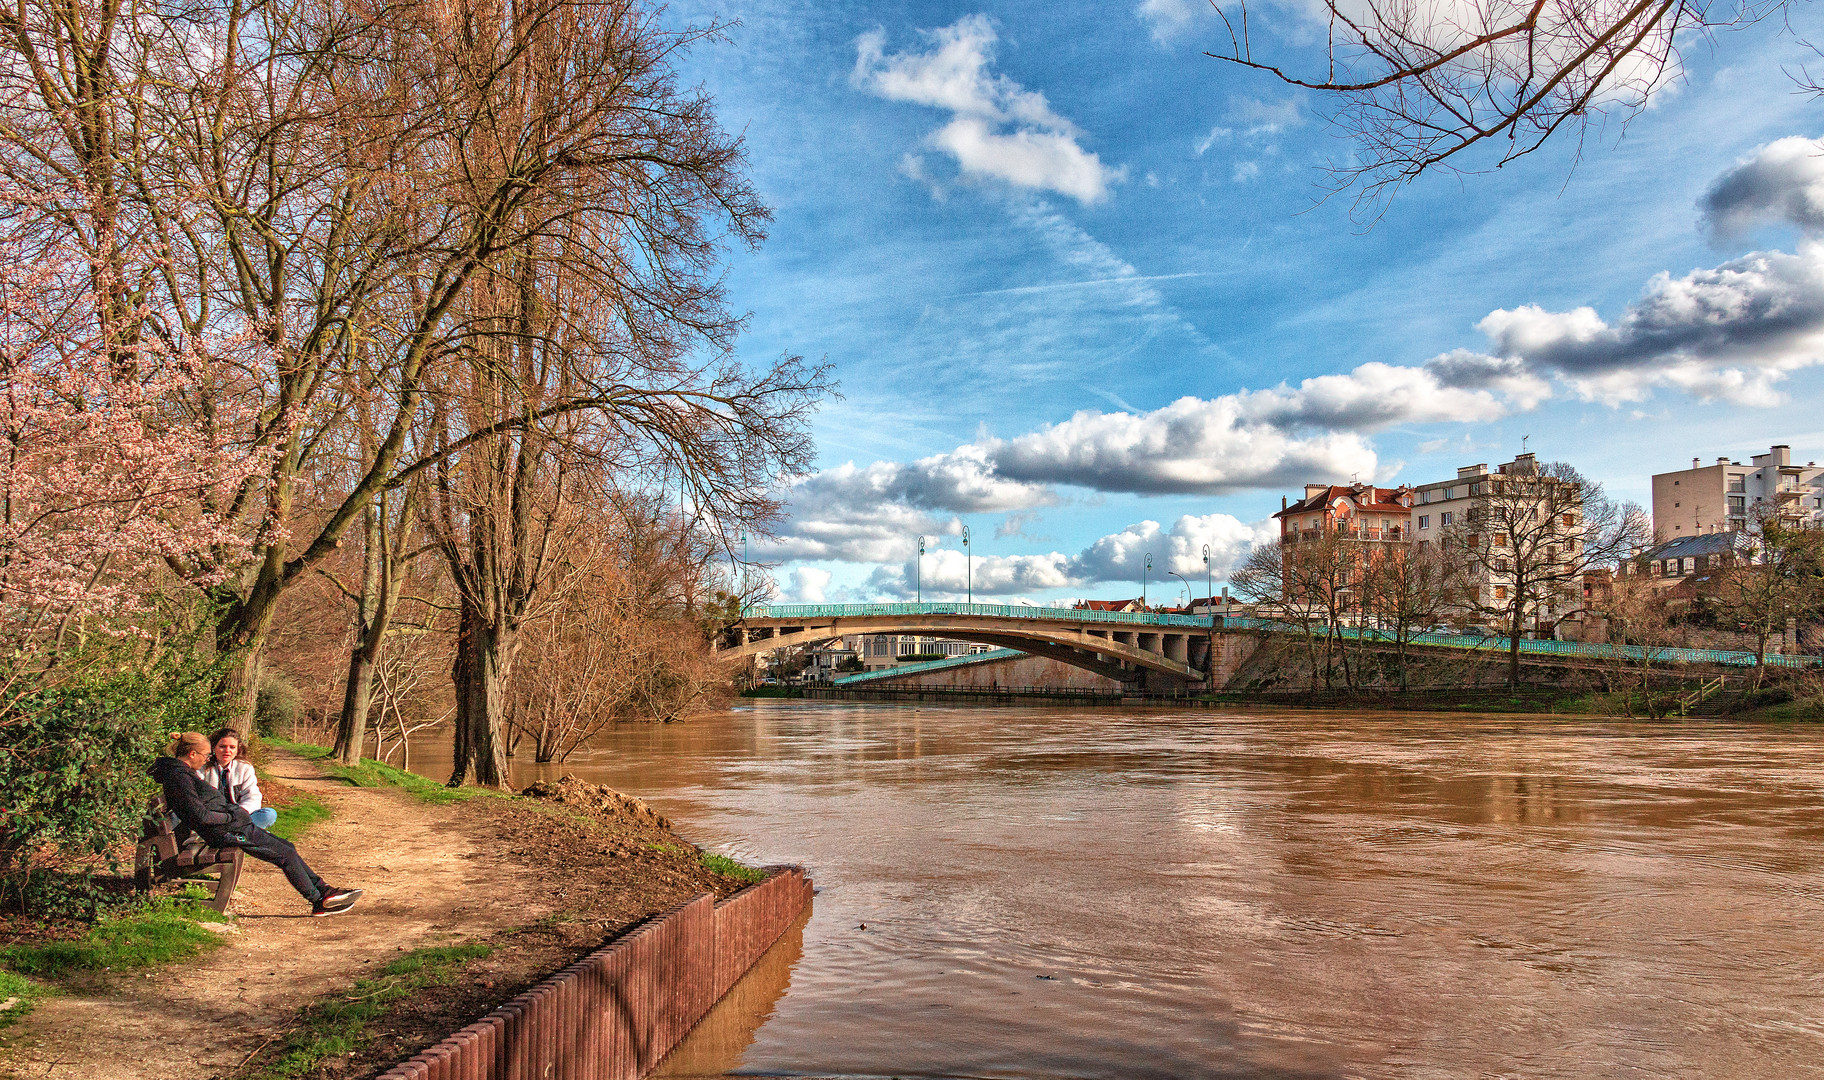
{"points": [[1115, 893]]}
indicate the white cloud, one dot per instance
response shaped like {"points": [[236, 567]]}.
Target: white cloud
{"points": [[1729, 333], [808, 585], [1169, 19], [998, 129], [1780, 183], [1116, 559], [1284, 436], [1246, 171]]}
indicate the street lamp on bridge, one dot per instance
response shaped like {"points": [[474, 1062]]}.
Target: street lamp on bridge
{"points": [[918, 568], [968, 567], [1187, 587], [1209, 590], [1144, 569]]}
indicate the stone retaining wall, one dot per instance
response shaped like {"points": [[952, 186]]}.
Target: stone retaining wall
{"points": [[614, 1014]]}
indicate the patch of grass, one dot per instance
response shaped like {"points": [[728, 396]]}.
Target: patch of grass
{"points": [[163, 931], [728, 867], [299, 814], [341, 1023], [376, 774], [17, 996]]}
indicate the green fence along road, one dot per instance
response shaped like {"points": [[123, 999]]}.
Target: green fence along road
{"points": [[1490, 643]]}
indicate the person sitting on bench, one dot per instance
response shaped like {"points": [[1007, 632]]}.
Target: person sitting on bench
{"points": [[226, 771], [209, 813]]}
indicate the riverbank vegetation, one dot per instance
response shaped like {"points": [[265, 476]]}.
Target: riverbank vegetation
{"points": [[309, 428]]}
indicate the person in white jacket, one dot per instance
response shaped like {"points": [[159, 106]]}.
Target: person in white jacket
{"points": [[227, 773]]}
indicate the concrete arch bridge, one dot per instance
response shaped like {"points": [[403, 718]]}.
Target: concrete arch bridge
{"points": [[1140, 650]]}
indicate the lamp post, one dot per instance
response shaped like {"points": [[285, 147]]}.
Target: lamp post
{"points": [[741, 588], [1187, 587], [968, 567], [1144, 569], [918, 571], [1209, 589]]}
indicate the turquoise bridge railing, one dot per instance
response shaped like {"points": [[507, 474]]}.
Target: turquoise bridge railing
{"points": [[1489, 643]]}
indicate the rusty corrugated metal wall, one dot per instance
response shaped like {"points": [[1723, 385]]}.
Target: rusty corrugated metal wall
{"points": [[615, 1013]]}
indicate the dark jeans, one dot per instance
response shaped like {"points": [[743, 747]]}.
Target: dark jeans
{"points": [[266, 847]]}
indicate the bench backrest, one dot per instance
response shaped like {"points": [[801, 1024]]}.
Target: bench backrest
{"points": [[157, 821]]}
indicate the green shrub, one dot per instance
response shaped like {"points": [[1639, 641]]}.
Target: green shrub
{"points": [[275, 706], [73, 762]]}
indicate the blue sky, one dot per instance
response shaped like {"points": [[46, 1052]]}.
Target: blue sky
{"points": [[1075, 279]]}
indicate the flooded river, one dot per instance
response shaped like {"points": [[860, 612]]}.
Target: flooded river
{"points": [[1102, 893]]}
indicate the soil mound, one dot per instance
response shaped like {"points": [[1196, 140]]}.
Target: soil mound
{"points": [[602, 803]]}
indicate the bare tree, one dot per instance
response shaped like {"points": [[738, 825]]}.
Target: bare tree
{"points": [[1410, 588], [1421, 84], [1776, 575], [1641, 629], [1311, 582], [1530, 536]]}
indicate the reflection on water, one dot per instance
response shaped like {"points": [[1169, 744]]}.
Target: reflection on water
{"points": [[1023, 893], [717, 1044]]}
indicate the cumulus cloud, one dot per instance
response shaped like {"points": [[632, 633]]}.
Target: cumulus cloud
{"points": [[1283, 436], [1729, 333], [1781, 183], [1250, 439], [998, 128], [1116, 558], [808, 585]]}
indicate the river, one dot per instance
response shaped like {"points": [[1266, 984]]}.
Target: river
{"points": [[1114, 893]]}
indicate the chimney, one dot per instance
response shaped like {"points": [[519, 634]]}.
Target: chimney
{"points": [[1694, 463], [1312, 490], [1282, 502], [1782, 454], [1722, 461]]}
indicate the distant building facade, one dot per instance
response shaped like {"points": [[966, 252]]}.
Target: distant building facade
{"points": [[1721, 497], [885, 650]]}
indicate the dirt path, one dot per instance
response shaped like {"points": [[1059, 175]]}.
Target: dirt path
{"points": [[428, 880]]}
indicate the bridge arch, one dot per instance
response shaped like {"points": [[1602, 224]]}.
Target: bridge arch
{"points": [[1126, 651]]}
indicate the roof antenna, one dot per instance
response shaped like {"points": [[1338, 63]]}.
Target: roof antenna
{"points": [[1523, 439]]}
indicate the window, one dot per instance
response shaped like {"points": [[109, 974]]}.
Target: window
{"points": [[1675, 483], [1675, 506], [1690, 565], [1500, 540], [1450, 493], [1424, 521], [1501, 592], [1735, 483], [1444, 518]]}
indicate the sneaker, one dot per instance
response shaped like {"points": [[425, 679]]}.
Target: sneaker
{"points": [[335, 902]]}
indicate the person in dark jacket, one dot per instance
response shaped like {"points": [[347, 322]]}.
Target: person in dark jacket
{"points": [[209, 813]]}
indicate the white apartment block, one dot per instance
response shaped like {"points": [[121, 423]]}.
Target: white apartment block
{"points": [[1721, 497], [884, 650], [1446, 506]]}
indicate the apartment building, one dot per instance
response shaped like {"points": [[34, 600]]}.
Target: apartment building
{"points": [[1362, 511], [1720, 497], [1427, 513], [1477, 496], [885, 650]]}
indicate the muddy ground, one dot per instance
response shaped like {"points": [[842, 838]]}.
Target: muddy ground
{"points": [[544, 879]]}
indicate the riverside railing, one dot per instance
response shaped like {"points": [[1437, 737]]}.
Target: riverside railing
{"points": [[927, 665], [1475, 642]]}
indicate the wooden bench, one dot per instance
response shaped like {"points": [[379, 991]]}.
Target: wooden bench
{"points": [[158, 858]]}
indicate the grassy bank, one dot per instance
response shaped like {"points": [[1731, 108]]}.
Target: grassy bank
{"points": [[342, 1024], [165, 930], [378, 774]]}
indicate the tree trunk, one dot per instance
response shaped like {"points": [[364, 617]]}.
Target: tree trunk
{"points": [[1515, 625], [482, 651], [370, 626]]}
